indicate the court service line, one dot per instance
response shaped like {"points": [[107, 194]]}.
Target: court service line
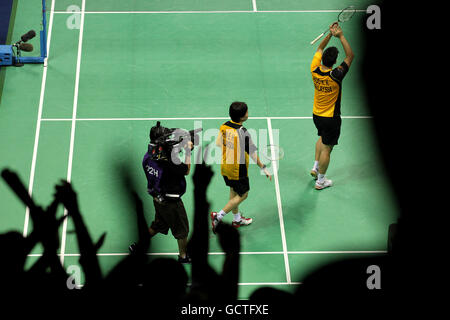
{"points": [[280, 209], [72, 132], [267, 283], [38, 122], [223, 253], [197, 118], [158, 12], [79, 286], [209, 12]]}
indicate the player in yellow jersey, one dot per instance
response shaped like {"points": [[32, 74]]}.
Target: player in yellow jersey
{"points": [[327, 101], [237, 146]]}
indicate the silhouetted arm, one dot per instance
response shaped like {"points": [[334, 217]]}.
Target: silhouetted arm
{"points": [[198, 245], [128, 272], [88, 250], [230, 243]]}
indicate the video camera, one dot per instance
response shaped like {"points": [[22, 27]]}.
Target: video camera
{"points": [[165, 141]]}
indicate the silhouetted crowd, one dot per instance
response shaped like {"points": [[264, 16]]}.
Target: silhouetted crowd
{"points": [[160, 286]]}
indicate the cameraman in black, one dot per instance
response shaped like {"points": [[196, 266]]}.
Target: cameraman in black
{"points": [[166, 184]]}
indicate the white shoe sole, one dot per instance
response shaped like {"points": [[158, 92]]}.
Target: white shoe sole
{"points": [[321, 187]]}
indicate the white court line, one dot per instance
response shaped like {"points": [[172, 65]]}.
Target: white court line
{"points": [[267, 283], [310, 117], [197, 118], [280, 209], [223, 253], [242, 284], [138, 119], [38, 122], [255, 9], [74, 116], [157, 12], [336, 252], [208, 12], [306, 11]]}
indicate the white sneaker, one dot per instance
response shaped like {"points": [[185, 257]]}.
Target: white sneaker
{"points": [[324, 184], [243, 222], [314, 173]]}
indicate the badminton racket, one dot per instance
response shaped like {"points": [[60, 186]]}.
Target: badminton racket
{"points": [[272, 152], [343, 16]]}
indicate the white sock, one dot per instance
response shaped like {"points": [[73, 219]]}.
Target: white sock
{"points": [[316, 165], [320, 177], [220, 215], [237, 217]]}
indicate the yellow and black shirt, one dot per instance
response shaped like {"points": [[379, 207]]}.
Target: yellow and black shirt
{"points": [[236, 145], [327, 88]]}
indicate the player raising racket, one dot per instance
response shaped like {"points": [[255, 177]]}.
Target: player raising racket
{"points": [[327, 100]]}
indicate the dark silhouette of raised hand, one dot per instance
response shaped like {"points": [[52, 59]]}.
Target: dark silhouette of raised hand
{"points": [[230, 242], [130, 272], [45, 230], [65, 194], [207, 285]]}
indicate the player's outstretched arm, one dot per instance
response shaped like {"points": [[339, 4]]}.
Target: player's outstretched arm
{"points": [[349, 55], [325, 40]]}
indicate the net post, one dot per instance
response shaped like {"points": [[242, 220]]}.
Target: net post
{"points": [[44, 31]]}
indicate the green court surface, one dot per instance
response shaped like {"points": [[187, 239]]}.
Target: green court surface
{"points": [[128, 64]]}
